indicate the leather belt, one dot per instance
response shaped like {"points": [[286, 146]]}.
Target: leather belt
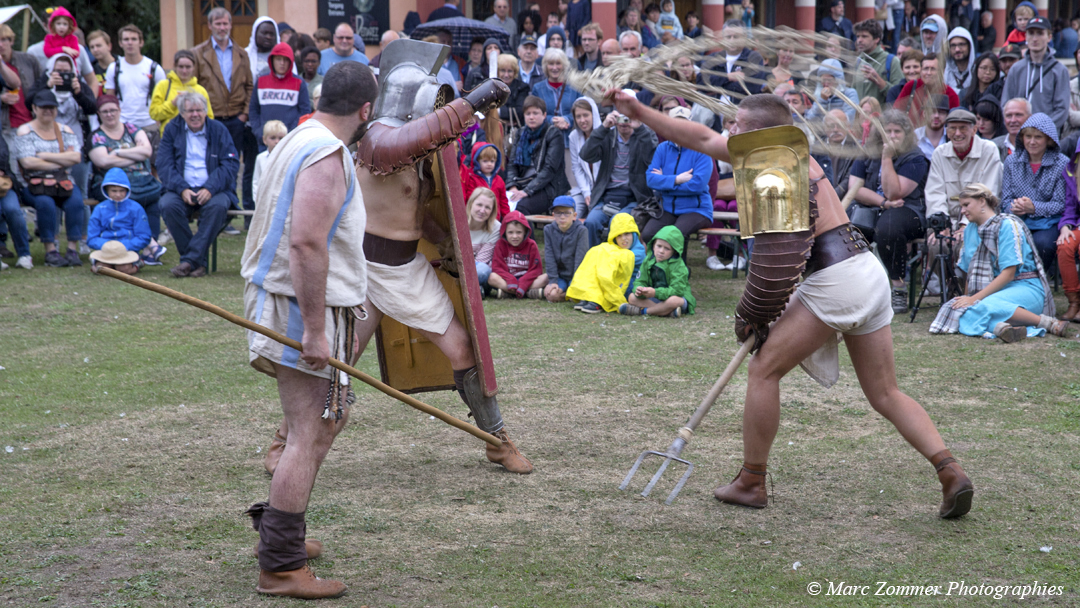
{"points": [[835, 246], [388, 252]]}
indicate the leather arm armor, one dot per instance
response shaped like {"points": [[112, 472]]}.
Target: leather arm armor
{"points": [[385, 150]]}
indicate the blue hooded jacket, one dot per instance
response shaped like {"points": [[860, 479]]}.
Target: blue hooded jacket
{"points": [[123, 221], [687, 197], [1046, 188]]}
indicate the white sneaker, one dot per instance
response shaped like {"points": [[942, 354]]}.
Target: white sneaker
{"points": [[25, 261], [740, 262], [4, 266], [164, 237], [713, 263], [84, 249]]}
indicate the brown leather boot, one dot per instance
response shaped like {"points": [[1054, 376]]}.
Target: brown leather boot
{"points": [[747, 489], [300, 583], [508, 455], [274, 452], [1073, 312], [313, 548], [956, 488]]}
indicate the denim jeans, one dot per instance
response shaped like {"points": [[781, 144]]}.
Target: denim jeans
{"points": [[483, 271], [48, 218], [597, 220], [12, 213]]}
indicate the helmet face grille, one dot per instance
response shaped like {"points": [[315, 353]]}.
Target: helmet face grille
{"points": [[444, 96]]}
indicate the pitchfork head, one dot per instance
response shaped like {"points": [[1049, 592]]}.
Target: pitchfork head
{"points": [[672, 455]]}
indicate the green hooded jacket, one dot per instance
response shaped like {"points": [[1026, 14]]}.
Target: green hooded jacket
{"points": [[670, 277]]}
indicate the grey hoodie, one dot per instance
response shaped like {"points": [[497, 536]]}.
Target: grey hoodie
{"points": [[564, 251], [959, 77], [1045, 85]]}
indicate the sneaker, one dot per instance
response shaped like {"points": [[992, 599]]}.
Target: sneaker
{"points": [[5, 252], [713, 263], [154, 257], [739, 262], [54, 259], [229, 230], [72, 258], [899, 301], [535, 294], [1009, 333], [502, 295], [675, 314], [25, 261], [84, 249], [4, 266], [579, 305], [591, 308], [164, 237], [630, 310]]}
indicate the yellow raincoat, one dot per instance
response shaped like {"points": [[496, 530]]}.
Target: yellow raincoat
{"points": [[161, 107], [605, 272]]}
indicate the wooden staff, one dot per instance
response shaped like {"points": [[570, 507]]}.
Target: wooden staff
{"points": [[348, 369]]}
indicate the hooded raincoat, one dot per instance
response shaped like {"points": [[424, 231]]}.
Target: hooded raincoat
{"points": [[123, 221], [275, 97], [605, 274], [670, 277], [1045, 187], [518, 266], [690, 196], [472, 178], [959, 76], [669, 21], [161, 105]]}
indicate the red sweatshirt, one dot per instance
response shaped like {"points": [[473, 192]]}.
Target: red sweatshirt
{"points": [[55, 44], [518, 266]]}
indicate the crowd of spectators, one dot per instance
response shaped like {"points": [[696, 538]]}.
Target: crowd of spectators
{"points": [[903, 112]]}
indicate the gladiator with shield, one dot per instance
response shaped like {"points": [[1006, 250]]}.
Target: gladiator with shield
{"points": [[801, 230], [429, 322]]}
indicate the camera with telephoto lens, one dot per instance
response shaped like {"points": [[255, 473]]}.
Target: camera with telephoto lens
{"points": [[939, 222], [66, 85]]}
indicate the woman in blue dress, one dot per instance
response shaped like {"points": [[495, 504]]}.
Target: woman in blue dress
{"points": [[1007, 290]]}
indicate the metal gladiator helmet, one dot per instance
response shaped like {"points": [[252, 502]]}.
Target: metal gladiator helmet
{"points": [[771, 168], [408, 87]]}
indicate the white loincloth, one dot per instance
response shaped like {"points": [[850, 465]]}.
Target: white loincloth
{"points": [[411, 294], [852, 297]]}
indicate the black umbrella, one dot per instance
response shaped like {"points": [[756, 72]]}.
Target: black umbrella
{"points": [[463, 30]]}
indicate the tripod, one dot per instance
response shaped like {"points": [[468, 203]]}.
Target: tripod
{"points": [[942, 267]]}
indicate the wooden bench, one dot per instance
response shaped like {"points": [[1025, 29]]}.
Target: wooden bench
{"points": [[231, 213]]}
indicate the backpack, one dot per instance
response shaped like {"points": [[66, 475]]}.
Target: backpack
{"points": [[149, 90]]}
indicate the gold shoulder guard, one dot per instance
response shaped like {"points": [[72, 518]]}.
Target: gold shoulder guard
{"points": [[772, 180]]}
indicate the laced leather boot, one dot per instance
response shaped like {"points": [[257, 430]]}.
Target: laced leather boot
{"points": [[300, 583], [274, 452], [956, 488], [508, 455], [747, 489]]}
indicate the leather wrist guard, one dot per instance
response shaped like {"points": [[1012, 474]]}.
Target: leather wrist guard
{"points": [[385, 150], [488, 95]]}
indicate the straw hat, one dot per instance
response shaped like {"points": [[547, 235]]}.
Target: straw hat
{"points": [[114, 252]]}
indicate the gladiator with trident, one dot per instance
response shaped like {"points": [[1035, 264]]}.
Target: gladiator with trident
{"points": [[800, 230]]}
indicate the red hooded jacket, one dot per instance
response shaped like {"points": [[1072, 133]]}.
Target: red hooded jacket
{"points": [[283, 98], [55, 44], [471, 179], [518, 266]]}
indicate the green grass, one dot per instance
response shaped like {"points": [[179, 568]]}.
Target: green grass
{"points": [[138, 430]]}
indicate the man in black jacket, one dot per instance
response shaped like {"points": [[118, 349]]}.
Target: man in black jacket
{"points": [[536, 165], [739, 65], [624, 148]]}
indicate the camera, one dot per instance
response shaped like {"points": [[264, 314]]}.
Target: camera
{"points": [[67, 78], [939, 222]]}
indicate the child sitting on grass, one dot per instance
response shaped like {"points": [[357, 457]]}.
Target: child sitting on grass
{"points": [[118, 218], [663, 287], [273, 132], [566, 241], [484, 231], [602, 279], [516, 270]]}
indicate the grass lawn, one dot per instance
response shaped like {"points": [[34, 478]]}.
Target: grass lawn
{"points": [[134, 431]]}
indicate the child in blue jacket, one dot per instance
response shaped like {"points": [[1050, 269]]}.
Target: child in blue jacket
{"points": [[118, 218]]}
